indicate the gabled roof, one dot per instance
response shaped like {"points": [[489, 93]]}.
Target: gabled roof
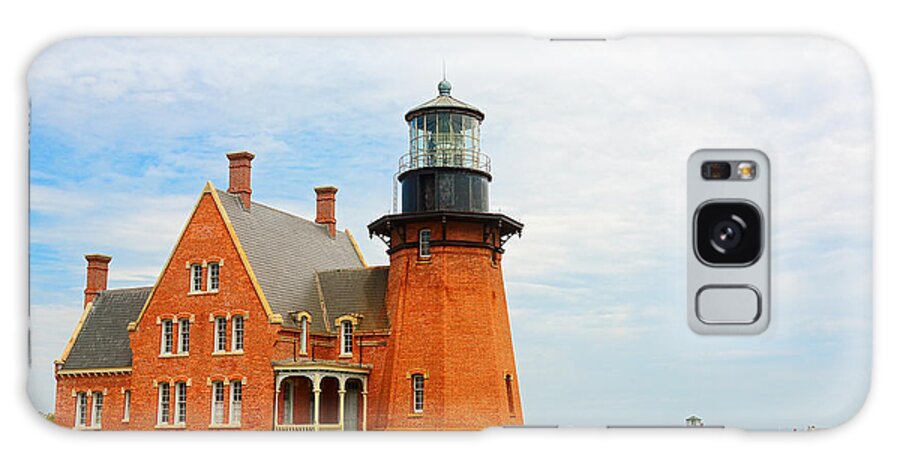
{"points": [[285, 252], [359, 292], [103, 341], [287, 255]]}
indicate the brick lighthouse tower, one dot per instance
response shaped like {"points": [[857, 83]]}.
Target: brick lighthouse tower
{"points": [[450, 362]]}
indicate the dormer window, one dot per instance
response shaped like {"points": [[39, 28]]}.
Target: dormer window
{"points": [[346, 338], [425, 243], [304, 333], [196, 278]]}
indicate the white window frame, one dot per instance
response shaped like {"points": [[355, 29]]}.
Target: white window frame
{"points": [[235, 399], [237, 334], [217, 415], [180, 416], [126, 413], [81, 409], [418, 389], [304, 333], [196, 278], [166, 342], [425, 243], [96, 410], [220, 329], [213, 277], [164, 404], [346, 337], [184, 335]]}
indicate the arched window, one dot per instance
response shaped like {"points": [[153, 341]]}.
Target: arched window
{"points": [[346, 338], [425, 243]]}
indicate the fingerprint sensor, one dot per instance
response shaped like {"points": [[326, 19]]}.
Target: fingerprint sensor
{"points": [[728, 304]]}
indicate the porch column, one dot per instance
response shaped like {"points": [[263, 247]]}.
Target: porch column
{"points": [[341, 409], [316, 391], [365, 396], [275, 402]]}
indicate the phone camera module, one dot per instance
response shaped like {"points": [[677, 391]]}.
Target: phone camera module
{"points": [[728, 233]]}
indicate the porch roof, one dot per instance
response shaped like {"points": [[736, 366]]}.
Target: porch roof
{"points": [[320, 365]]}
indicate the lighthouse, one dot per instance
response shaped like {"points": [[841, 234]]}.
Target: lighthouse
{"points": [[450, 362]]}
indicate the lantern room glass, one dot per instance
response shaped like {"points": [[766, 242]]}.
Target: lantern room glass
{"points": [[445, 139]]}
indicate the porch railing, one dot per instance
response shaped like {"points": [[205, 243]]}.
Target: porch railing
{"points": [[306, 427]]}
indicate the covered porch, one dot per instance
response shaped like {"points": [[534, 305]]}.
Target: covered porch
{"points": [[320, 395]]}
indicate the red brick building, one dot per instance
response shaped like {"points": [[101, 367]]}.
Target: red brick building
{"points": [[263, 320]]}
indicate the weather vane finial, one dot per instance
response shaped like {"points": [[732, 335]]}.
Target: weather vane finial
{"points": [[444, 86]]}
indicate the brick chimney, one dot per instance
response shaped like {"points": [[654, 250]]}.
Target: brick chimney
{"points": [[239, 175], [325, 208], [97, 270]]}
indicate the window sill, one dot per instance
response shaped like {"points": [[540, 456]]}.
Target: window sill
{"points": [[224, 426], [174, 355], [87, 428], [415, 415], [346, 355], [169, 426], [203, 292], [228, 353], [423, 260]]}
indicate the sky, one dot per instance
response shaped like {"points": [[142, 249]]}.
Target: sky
{"points": [[589, 143]]}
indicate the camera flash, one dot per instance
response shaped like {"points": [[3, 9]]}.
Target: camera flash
{"points": [[746, 170]]}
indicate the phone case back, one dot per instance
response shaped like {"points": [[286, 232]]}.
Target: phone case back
{"points": [[444, 234]]}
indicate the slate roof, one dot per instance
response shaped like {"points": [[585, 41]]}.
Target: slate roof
{"points": [[356, 291], [285, 252], [103, 339]]}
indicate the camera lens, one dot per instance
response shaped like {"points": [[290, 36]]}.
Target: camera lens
{"points": [[728, 233]]}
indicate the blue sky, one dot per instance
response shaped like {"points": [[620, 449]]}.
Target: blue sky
{"points": [[589, 143]]}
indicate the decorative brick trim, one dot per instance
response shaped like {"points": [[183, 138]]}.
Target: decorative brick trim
{"points": [[95, 371], [353, 318], [219, 313], [412, 372]]}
